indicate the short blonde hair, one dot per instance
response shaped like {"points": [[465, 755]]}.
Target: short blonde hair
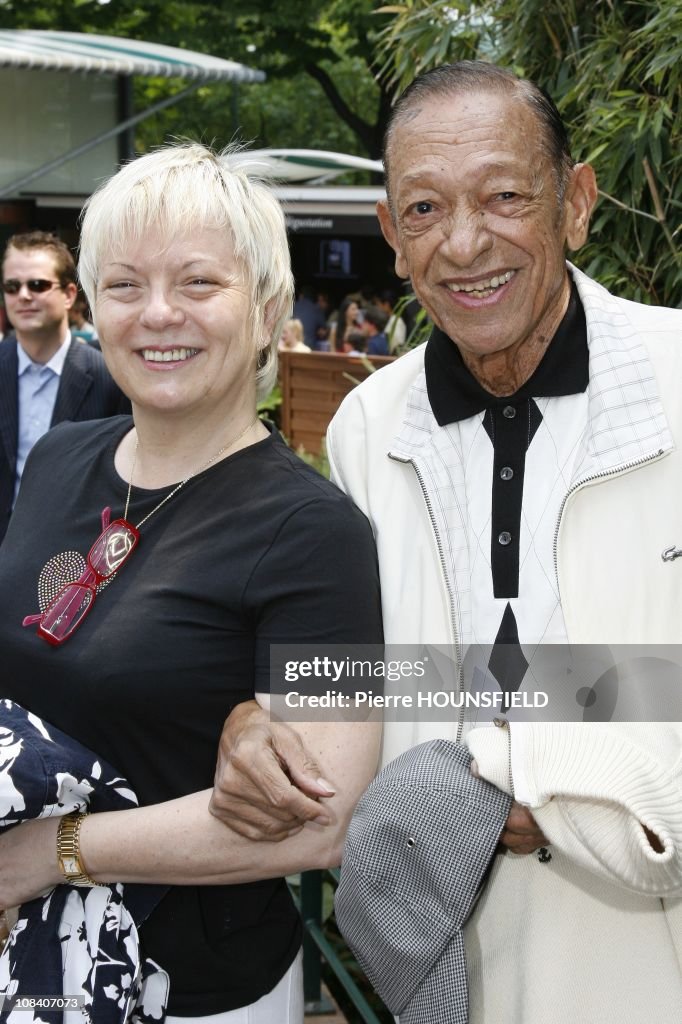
{"points": [[187, 186]]}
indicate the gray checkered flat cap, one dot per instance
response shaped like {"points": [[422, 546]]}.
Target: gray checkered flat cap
{"points": [[416, 854]]}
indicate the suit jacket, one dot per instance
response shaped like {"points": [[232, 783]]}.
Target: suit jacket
{"points": [[86, 392]]}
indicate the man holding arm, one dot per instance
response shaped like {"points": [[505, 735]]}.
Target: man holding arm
{"points": [[521, 472]]}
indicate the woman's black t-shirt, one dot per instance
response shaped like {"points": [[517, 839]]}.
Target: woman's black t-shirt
{"points": [[258, 549]]}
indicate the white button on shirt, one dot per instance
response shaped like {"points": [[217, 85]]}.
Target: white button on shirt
{"points": [[38, 384]]}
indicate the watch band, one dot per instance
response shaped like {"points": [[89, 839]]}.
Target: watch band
{"points": [[68, 851]]}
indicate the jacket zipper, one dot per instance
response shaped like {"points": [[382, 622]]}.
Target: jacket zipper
{"points": [[448, 584], [583, 483]]}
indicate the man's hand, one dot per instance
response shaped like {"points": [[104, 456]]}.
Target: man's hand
{"points": [[262, 777], [521, 833]]}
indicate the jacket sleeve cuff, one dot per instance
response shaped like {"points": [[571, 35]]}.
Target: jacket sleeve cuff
{"points": [[595, 786]]}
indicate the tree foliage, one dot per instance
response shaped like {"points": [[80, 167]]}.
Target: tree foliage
{"points": [[615, 71]]}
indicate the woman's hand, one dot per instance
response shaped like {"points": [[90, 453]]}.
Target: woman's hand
{"points": [[28, 861]]}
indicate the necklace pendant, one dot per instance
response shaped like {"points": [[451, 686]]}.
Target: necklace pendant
{"points": [[112, 547]]}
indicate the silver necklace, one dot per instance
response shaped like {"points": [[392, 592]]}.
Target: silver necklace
{"points": [[182, 483]]}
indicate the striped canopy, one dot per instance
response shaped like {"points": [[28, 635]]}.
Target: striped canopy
{"points": [[84, 52], [310, 164]]}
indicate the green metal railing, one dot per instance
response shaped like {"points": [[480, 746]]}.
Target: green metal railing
{"points": [[316, 946]]}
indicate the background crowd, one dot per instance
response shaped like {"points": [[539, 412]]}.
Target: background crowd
{"points": [[365, 322]]}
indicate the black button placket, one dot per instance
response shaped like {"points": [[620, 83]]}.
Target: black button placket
{"points": [[509, 430]]}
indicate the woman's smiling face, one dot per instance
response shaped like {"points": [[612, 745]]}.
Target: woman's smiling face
{"points": [[176, 323]]}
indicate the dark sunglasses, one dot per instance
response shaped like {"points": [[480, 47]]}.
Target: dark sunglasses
{"points": [[65, 613], [36, 285]]}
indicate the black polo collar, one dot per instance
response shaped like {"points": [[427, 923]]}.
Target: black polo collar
{"points": [[455, 394]]}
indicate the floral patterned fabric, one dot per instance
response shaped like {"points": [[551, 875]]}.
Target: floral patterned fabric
{"points": [[73, 941]]}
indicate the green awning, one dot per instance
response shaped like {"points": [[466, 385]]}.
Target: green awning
{"points": [[109, 55]]}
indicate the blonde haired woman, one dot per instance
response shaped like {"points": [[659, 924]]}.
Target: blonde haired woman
{"points": [[215, 542]]}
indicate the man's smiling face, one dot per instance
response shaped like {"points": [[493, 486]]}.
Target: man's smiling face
{"points": [[476, 223]]}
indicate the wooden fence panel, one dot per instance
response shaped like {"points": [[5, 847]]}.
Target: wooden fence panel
{"points": [[313, 386]]}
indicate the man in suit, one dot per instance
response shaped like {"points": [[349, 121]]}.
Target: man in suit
{"points": [[46, 376]]}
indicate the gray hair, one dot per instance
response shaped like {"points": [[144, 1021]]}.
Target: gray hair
{"points": [[180, 187], [479, 76]]}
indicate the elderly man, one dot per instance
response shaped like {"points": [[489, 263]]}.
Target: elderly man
{"points": [[46, 376], [522, 474]]}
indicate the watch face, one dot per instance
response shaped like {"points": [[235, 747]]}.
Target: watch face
{"points": [[71, 866]]}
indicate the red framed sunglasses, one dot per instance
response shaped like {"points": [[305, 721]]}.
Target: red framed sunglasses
{"points": [[64, 614]]}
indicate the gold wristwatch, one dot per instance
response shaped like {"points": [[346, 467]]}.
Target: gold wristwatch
{"points": [[68, 851]]}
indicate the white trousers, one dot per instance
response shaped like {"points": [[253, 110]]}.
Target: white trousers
{"points": [[284, 1005]]}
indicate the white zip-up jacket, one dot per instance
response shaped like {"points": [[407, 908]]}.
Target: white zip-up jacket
{"points": [[593, 936]]}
